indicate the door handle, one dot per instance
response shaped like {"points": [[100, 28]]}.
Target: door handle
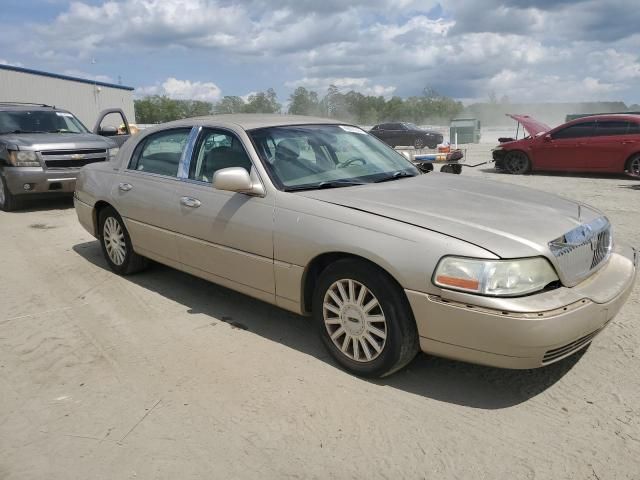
{"points": [[125, 187], [190, 202]]}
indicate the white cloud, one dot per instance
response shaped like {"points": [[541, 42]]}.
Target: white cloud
{"points": [[542, 49], [183, 90]]}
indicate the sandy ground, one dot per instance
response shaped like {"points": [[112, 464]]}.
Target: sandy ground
{"points": [[164, 376]]}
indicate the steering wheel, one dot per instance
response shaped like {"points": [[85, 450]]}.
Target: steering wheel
{"points": [[346, 163]]}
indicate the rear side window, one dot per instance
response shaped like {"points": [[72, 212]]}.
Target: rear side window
{"points": [[607, 128], [634, 128], [585, 129], [161, 152]]}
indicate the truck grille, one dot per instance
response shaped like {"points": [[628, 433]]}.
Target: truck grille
{"points": [[583, 250], [73, 158]]}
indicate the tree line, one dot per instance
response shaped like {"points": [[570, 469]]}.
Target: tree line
{"points": [[430, 107]]}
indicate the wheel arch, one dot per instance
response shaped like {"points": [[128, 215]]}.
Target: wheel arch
{"points": [[97, 208], [319, 263]]}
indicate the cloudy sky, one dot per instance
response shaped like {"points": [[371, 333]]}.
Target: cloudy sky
{"points": [[529, 50]]}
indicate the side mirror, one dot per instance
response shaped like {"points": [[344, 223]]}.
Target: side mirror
{"points": [[236, 179], [108, 131], [547, 138]]}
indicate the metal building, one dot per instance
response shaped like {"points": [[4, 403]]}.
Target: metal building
{"points": [[84, 98]]}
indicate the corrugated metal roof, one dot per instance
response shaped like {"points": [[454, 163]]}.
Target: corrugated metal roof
{"points": [[64, 77]]}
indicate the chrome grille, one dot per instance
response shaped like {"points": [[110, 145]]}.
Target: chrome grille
{"points": [[73, 158], [583, 250]]}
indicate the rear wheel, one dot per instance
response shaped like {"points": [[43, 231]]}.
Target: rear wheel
{"points": [[633, 165], [419, 143], [517, 163], [8, 201], [116, 244], [364, 319]]}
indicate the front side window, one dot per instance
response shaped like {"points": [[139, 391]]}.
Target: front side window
{"points": [[579, 130], [39, 121], [160, 153], [215, 150], [310, 156]]}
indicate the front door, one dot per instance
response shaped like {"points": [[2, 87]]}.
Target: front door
{"points": [[564, 149], [225, 234]]}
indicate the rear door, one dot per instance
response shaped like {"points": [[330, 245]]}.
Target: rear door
{"points": [[145, 194], [611, 146], [564, 149]]}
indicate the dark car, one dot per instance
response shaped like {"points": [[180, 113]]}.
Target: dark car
{"points": [[42, 149], [402, 133], [599, 143]]}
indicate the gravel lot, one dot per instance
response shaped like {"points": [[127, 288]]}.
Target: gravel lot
{"points": [[161, 375]]}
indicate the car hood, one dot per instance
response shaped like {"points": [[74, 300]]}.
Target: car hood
{"points": [[55, 141], [507, 220], [532, 126]]}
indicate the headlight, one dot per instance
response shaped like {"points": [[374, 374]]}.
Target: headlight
{"points": [[503, 278], [23, 158], [112, 153]]}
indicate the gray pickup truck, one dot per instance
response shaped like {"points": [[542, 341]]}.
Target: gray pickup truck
{"points": [[42, 149]]}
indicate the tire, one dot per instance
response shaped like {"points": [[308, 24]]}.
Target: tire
{"points": [[116, 244], [517, 163], [633, 165], [8, 201], [419, 143], [365, 348]]}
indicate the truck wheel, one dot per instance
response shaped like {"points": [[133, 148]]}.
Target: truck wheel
{"points": [[364, 319], [8, 200]]}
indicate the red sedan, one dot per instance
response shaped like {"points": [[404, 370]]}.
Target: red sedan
{"points": [[599, 143]]}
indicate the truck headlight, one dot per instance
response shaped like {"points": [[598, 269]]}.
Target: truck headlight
{"points": [[19, 158], [501, 278], [112, 153]]}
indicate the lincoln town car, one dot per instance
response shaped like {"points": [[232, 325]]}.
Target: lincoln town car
{"points": [[323, 219]]}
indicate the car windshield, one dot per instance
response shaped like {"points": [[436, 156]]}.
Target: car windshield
{"points": [[39, 121], [411, 126], [324, 156]]}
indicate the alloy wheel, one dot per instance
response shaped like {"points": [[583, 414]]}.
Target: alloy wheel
{"points": [[114, 242], [634, 166], [517, 163], [354, 320], [418, 143]]}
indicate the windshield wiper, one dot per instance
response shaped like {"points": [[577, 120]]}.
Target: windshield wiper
{"points": [[327, 184], [395, 176]]}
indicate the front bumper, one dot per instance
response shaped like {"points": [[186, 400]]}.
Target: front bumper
{"points": [[526, 332], [39, 180]]}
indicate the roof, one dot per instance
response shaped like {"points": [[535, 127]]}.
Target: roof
{"points": [[63, 77], [4, 106], [608, 116], [250, 121]]}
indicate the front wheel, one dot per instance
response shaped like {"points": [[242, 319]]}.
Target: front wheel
{"points": [[419, 143], [8, 201], [364, 319], [517, 163], [116, 244]]}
